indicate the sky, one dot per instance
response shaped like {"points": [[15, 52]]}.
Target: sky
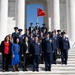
{"points": [[32, 14]]}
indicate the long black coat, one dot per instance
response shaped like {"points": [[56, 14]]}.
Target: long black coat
{"points": [[24, 48]]}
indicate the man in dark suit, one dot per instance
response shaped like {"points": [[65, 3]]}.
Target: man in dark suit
{"points": [[36, 54], [65, 46], [31, 28], [48, 52], [55, 46]]}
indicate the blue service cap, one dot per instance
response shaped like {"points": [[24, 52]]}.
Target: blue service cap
{"points": [[20, 30], [62, 33], [15, 28]]}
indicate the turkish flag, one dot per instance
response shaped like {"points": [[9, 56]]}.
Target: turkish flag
{"points": [[40, 12]]}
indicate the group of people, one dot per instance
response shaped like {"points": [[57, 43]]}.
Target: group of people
{"points": [[36, 46]]}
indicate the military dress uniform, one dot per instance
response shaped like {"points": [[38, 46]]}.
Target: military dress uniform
{"points": [[36, 55], [15, 34], [65, 45], [20, 36], [59, 37], [55, 47], [48, 54]]}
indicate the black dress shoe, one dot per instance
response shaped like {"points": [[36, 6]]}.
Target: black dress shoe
{"points": [[17, 70], [54, 62], [7, 70], [37, 70], [13, 70], [46, 69], [65, 63], [26, 70], [33, 70], [49, 69], [3, 70]]}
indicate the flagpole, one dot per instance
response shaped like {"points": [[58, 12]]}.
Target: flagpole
{"points": [[37, 19], [37, 15]]}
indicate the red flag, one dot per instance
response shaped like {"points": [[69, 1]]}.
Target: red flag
{"points": [[40, 12]]}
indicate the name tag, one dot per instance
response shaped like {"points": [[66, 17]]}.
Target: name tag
{"points": [[50, 40]]}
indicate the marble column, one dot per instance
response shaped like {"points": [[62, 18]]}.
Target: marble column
{"points": [[4, 19], [56, 11], [49, 14], [72, 19], [67, 18], [20, 12]]}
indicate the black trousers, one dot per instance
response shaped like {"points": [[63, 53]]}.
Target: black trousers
{"points": [[42, 58], [48, 61], [36, 59], [26, 61], [54, 56], [5, 61], [64, 56]]}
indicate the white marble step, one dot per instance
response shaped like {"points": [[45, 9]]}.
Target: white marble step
{"points": [[63, 68], [57, 69], [58, 72], [71, 59], [71, 53]]}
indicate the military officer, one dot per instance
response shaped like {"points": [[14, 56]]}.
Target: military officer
{"points": [[55, 46], [59, 37], [36, 54], [65, 46], [20, 36], [15, 34], [48, 52]]}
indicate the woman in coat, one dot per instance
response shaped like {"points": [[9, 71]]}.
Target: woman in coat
{"points": [[25, 52], [15, 55], [6, 53]]}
